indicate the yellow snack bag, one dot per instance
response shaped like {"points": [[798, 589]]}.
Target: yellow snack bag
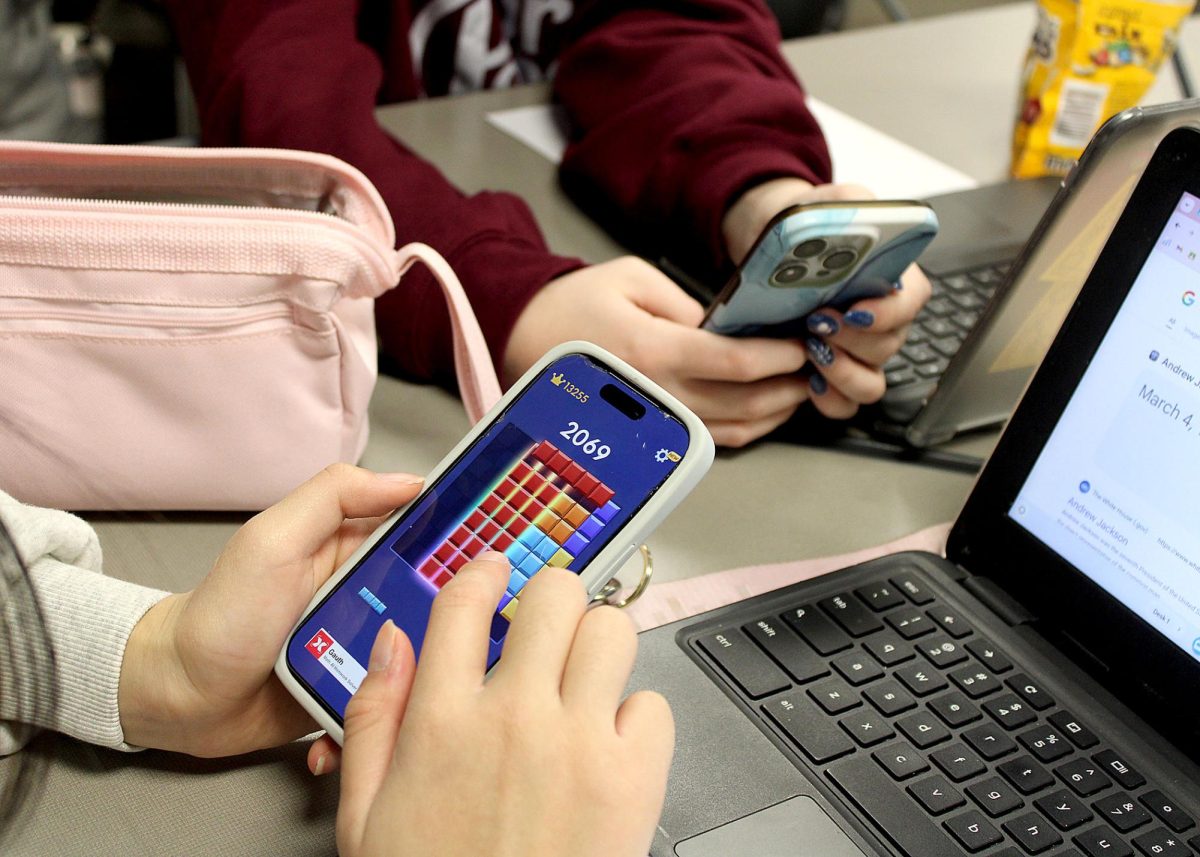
{"points": [[1089, 60]]}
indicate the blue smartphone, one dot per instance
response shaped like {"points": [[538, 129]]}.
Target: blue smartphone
{"points": [[820, 255], [573, 468]]}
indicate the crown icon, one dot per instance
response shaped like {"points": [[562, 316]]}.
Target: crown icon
{"points": [[557, 379]]}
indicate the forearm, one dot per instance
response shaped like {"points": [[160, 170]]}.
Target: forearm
{"points": [[679, 111], [296, 75]]}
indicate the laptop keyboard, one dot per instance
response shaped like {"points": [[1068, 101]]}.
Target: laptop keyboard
{"points": [[943, 323], [940, 738]]}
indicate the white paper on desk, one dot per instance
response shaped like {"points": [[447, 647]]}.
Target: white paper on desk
{"points": [[663, 603], [861, 154]]}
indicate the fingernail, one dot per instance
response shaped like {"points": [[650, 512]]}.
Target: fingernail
{"points": [[822, 324], [819, 351], [402, 478], [493, 557], [319, 767], [818, 385], [384, 649], [859, 318]]}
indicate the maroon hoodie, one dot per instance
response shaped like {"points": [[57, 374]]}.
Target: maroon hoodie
{"points": [[677, 107]]}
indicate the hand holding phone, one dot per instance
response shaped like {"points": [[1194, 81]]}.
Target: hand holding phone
{"points": [[820, 254], [572, 469]]}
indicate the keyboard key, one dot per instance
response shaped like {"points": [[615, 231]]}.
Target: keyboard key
{"points": [[890, 698], [857, 620], [880, 596], [995, 797], [932, 370], [936, 794], [965, 320], [940, 327], [1103, 842], [913, 587], [975, 681], [910, 623], [921, 680], [817, 630], [857, 668], [889, 649], [1194, 843], [958, 282], [1079, 735], [918, 353], [743, 662], [939, 307], [1010, 711], [1025, 774], [1045, 742], [1160, 842], [947, 346], [1032, 832], [867, 728], [1168, 812], [870, 789], [899, 377], [1083, 776], [1030, 691], [958, 763], [967, 300], [834, 695], [901, 760], [787, 650], [1120, 770], [953, 624], [973, 831], [923, 729], [955, 709], [990, 741], [941, 651], [817, 736], [989, 655], [1064, 809], [1121, 812]]}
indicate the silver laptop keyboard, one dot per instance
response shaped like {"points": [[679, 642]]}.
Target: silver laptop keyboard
{"points": [[939, 330], [943, 741]]}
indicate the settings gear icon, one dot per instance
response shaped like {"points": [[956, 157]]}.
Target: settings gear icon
{"points": [[661, 456]]}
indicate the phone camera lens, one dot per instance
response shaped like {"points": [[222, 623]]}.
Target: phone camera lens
{"points": [[790, 274], [840, 259], [811, 247]]}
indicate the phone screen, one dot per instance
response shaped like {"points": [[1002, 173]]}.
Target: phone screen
{"points": [[549, 483]]}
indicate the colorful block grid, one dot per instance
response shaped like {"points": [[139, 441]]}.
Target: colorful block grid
{"points": [[543, 512]]}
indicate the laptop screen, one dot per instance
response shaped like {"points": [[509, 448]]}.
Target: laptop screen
{"points": [[1113, 490]]}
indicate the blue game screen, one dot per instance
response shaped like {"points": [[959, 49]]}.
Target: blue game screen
{"points": [[550, 483]]}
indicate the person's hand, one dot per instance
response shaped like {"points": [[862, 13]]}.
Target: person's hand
{"points": [[197, 672], [541, 759], [742, 388], [846, 349]]}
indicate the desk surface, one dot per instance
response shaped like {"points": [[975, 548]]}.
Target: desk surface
{"points": [[779, 502]]}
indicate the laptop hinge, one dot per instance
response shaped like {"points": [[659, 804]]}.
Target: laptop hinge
{"points": [[999, 601]]}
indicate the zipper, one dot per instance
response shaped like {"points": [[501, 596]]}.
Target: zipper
{"points": [[195, 322], [384, 261]]}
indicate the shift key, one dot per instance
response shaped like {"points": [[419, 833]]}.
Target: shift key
{"points": [[743, 662]]}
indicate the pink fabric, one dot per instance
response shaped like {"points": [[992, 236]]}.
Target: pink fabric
{"points": [[182, 329], [681, 599]]}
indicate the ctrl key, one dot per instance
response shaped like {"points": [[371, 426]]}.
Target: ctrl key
{"points": [[743, 662]]}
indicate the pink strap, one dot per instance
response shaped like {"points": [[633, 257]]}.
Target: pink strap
{"points": [[477, 381]]}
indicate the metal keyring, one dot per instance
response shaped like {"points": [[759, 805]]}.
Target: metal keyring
{"points": [[610, 589]]}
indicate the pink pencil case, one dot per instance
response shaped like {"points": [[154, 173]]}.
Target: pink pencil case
{"points": [[193, 328]]}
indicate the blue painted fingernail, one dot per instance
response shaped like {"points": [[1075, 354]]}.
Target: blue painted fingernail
{"points": [[819, 351], [822, 324], [859, 318], [818, 385]]}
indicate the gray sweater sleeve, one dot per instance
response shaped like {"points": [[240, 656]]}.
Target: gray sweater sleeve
{"points": [[88, 618]]}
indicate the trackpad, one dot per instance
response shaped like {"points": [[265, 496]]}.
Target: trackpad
{"points": [[794, 828]]}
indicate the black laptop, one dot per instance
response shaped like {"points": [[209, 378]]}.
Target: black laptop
{"points": [[1037, 692]]}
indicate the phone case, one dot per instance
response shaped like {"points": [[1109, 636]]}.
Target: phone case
{"points": [[824, 254], [691, 468]]}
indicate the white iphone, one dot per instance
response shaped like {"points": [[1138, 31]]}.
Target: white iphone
{"points": [[573, 468]]}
